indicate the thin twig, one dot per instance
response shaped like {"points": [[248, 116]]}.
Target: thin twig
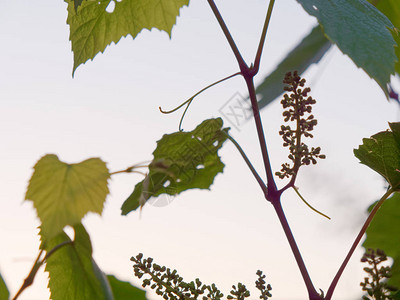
{"points": [[263, 35], [31, 276], [242, 64], [36, 266], [312, 208], [249, 164], [355, 243], [189, 101], [131, 169]]}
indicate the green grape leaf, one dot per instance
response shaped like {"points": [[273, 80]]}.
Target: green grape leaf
{"points": [[123, 290], [309, 51], [4, 293], [384, 233], [182, 161], [64, 193], [73, 272], [77, 3], [391, 9], [93, 28], [396, 296], [360, 31], [381, 153]]}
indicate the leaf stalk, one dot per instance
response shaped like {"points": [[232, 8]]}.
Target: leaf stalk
{"points": [[356, 242]]}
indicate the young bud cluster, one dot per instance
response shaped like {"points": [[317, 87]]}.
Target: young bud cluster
{"points": [[170, 285], [260, 284], [375, 284], [298, 107]]}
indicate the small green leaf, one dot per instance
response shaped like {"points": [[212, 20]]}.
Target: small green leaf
{"points": [[182, 161], [310, 50], [93, 28], [4, 293], [64, 193], [384, 233], [360, 31], [123, 290], [381, 153], [73, 272]]}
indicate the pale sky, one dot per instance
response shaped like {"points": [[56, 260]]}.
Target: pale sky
{"points": [[110, 110]]}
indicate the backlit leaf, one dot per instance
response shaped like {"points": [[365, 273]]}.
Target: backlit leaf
{"points": [[309, 51], [123, 290], [73, 272], [64, 193], [4, 293], [93, 28], [361, 32], [384, 233], [182, 161], [381, 153]]}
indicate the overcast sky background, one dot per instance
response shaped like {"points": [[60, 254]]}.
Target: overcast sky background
{"points": [[110, 110]]}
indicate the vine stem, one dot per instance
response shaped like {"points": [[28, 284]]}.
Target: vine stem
{"points": [[312, 293], [242, 64], [249, 164], [271, 185], [36, 266], [355, 243], [272, 195], [263, 35]]}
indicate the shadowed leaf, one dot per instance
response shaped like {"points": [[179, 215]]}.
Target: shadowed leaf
{"points": [[391, 9], [361, 32], [123, 290], [309, 51], [182, 161], [384, 233], [381, 153]]}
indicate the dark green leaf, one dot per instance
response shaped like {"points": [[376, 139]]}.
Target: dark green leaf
{"points": [[384, 233], [64, 193], [391, 9], [182, 161], [73, 272], [310, 50], [361, 32], [123, 290], [396, 296], [92, 28], [4, 293], [381, 153]]}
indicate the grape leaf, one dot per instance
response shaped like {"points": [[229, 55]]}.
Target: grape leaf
{"points": [[4, 293], [64, 193], [92, 28], [123, 290], [309, 51], [381, 153], [391, 9], [77, 3], [73, 272], [182, 161], [360, 31], [384, 233]]}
